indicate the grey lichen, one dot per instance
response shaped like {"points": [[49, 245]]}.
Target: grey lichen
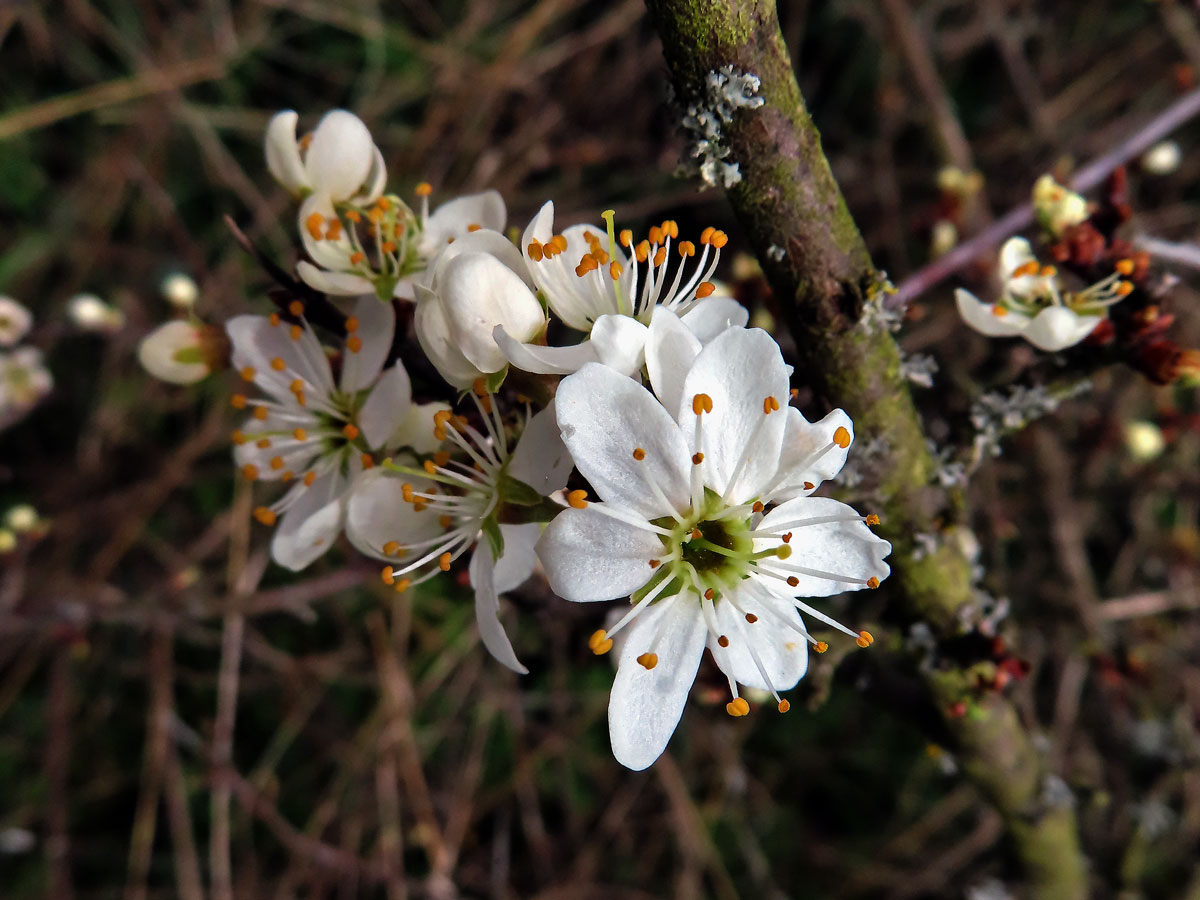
{"points": [[725, 91], [919, 368], [996, 413], [776, 252]]}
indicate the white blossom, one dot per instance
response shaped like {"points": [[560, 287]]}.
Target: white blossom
{"points": [[89, 312], [1057, 208], [1034, 305], [602, 283], [686, 479], [176, 352], [24, 381], [338, 159], [311, 431], [15, 321], [419, 520]]}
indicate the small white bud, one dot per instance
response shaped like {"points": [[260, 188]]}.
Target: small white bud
{"points": [[180, 290], [1162, 159], [22, 518], [175, 352], [89, 312], [1144, 440], [15, 321]]}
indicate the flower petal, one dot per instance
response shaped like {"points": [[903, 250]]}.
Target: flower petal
{"points": [[711, 316], [374, 183], [387, 407], [486, 241], [283, 153], [605, 417], [376, 327], [310, 525], [983, 318], [487, 609], [377, 514], [540, 458], [620, 343], [328, 253], [543, 360], [258, 345], [740, 369], [453, 218], [433, 334], [519, 559], [340, 284], [295, 456], [671, 349], [810, 454], [1057, 328], [1015, 253], [590, 556], [478, 293], [646, 704], [782, 651], [340, 156], [847, 548]]}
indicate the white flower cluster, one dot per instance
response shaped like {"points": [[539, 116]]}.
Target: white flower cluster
{"points": [[24, 378], [669, 468]]}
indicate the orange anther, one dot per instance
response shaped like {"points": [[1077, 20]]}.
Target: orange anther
{"points": [[1123, 288], [784, 706], [661, 256], [402, 585], [367, 460], [655, 563], [625, 237], [534, 250], [238, 401], [444, 562], [260, 413], [354, 343], [1124, 266], [357, 258], [722, 640], [577, 499], [278, 364], [247, 373], [865, 639], [388, 246], [309, 478], [751, 618], [274, 319], [820, 646], [424, 189], [793, 581], [334, 231], [614, 271], [295, 332], [313, 225], [706, 235], [686, 248], [265, 515], [757, 507], [351, 324], [353, 216], [648, 660], [276, 463], [770, 404], [841, 437], [263, 443], [872, 582], [705, 289], [639, 454], [387, 575], [656, 235], [250, 471], [872, 519], [737, 707], [296, 308], [239, 437], [719, 239], [702, 403], [390, 548]]}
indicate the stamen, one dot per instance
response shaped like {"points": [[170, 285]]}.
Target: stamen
{"points": [[737, 707], [820, 646], [577, 499], [841, 437], [865, 639], [600, 643], [265, 515], [648, 660], [639, 454]]}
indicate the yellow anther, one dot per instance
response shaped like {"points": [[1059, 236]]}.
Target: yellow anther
{"points": [[1123, 288], [351, 324], [1124, 266], [430, 467], [706, 235], [872, 582], [697, 458], [406, 491], [751, 618], [354, 343], [784, 706], [1049, 271], [648, 660], [250, 471], [770, 404], [444, 562], [300, 434], [577, 499], [614, 270], [350, 431], [535, 251], [239, 437], [424, 189], [705, 289], [783, 551], [247, 373], [260, 413], [625, 237], [313, 225], [872, 519], [865, 639], [702, 403], [265, 515], [238, 401], [639, 454], [820, 646], [737, 707], [309, 478], [600, 643], [686, 248], [390, 548], [387, 576], [278, 364], [263, 443], [841, 437]]}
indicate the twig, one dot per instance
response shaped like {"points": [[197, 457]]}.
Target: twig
{"points": [[1182, 253], [58, 763], [1179, 112]]}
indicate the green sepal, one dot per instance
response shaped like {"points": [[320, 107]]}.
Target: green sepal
{"points": [[495, 537], [384, 285], [496, 379], [518, 493], [189, 355]]}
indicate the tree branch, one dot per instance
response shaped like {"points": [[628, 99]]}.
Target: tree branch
{"points": [[787, 198]]}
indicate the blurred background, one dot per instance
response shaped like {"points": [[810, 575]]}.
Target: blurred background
{"points": [[178, 714]]}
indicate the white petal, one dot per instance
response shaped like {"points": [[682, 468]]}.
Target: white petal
{"points": [[451, 219], [739, 370], [590, 556], [376, 514], [310, 525], [540, 459], [517, 562], [1057, 328], [1015, 253], [540, 228], [374, 184], [257, 344], [376, 326], [328, 254], [433, 334], [605, 417], [847, 548], [387, 407], [417, 429], [487, 609], [982, 316], [283, 153], [483, 241], [803, 461], [711, 316], [340, 284], [340, 156], [296, 456], [478, 293], [543, 360], [620, 343], [670, 351], [782, 652], [158, 353], [646, 704]]}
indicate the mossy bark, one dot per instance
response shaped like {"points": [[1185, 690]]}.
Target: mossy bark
{"points": [[787, 198]]}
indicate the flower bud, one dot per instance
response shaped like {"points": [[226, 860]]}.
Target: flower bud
{"points": [[1057, 208], [179, 352], [90, 313], [180, 290]]}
